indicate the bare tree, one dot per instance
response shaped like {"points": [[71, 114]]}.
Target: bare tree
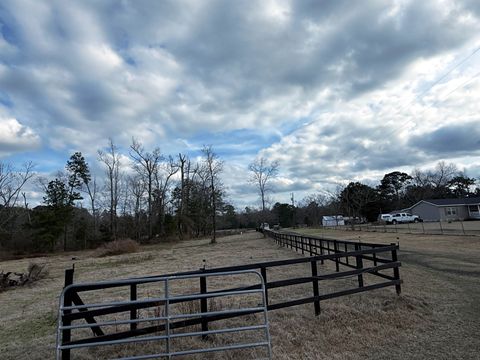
{"points": [[262, 172], [432, 183], [314, 204], [182, 159], [443, 174], [163, 178], [25, 204], [214, 167], [147, 165], [11, 185], [189, 173], [91, 188], [111, 159], [137, 189]]}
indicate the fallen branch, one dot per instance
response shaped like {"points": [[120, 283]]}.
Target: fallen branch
{"points": [[13, 279]]}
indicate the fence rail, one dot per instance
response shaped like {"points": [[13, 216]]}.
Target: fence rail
{"points": [[373, 265], [340, 252], [69, 302], [459, 227]]}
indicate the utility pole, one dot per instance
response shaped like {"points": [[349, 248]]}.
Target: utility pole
{"points": [[293, 209]]}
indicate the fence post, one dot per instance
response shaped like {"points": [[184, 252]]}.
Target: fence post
{"points": [[263, 271], [67, 301], [441, 228], [204, 304], [310, 246], [321, 249], [316, 293], [133, 313], [346, 250], [337, 260], [303, 245], [396, 272], [463, 229], [359, 264]]}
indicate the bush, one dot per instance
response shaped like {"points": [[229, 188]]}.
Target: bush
{"points": [[117, 247]]}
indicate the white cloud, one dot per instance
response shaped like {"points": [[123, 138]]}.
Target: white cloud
{"points": [[15, 137], [338, 83]]}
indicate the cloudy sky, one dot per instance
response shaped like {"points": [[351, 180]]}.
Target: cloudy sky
{"points": [[334, 90]]}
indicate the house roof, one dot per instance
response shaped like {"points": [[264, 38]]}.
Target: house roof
{"points": [[450, 202], [466, 201], [334, 217]]}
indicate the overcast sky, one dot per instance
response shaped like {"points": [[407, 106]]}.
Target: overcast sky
{"points": [[334, 90]]}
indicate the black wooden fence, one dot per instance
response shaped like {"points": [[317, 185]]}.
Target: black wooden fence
{"points": [[358, 258], [351, 254]]}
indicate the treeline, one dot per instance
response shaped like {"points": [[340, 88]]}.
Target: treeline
{"points": [[149, 196], [362, 202], [145, 197]]}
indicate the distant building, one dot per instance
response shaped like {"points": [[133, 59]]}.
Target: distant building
{"points": [[446, 209], [335, 220]]}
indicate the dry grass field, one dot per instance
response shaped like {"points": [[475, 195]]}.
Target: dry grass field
{"points": [[436, 317]]}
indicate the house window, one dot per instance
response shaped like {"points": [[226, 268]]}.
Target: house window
{"points": [[450, 211], [473, 208]]}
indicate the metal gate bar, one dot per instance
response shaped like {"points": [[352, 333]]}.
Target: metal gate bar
{"points": [[65, 309]]}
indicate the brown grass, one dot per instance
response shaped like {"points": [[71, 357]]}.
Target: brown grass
{"points": [[436, 317], [118, 247]]}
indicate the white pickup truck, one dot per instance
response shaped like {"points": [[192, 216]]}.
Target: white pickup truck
{"points": [[403, 218], [264, 226]]}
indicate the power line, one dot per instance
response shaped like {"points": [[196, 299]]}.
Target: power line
{"points": [[418, 97], [449, 72]]}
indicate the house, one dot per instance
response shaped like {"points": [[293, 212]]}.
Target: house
{"points": [[335, 220], [446, 209]]}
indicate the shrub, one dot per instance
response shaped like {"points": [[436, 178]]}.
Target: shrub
{"points": [[117, 247]]}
